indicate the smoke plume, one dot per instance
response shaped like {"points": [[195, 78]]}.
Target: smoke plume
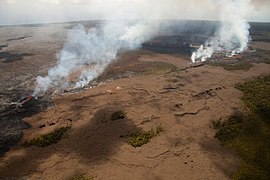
{"points": [[89, 52], [86, 52], [233, 35]]}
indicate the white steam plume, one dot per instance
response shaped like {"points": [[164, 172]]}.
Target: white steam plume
{"points": [[233, 34], [92, 51]]}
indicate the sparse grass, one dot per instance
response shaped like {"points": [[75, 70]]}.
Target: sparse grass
{"points": [[241, 65], [137, 140], [249, 135], [257, 95], [229, 129], [47, 139], [216, 123], [81, 176], [118, 115], [264, 56], [157, 67]]}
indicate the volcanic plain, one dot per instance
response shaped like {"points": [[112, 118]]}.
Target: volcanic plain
{"points": [[155, 86]]}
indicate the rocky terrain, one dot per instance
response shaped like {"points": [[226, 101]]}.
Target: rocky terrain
{"points": [[151, 88]]}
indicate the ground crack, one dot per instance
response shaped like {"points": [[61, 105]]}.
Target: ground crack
{"points": [[158, 155], [132, 165], [181, 114]]}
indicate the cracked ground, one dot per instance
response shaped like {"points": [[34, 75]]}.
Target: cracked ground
{"points": [[182, 101]]}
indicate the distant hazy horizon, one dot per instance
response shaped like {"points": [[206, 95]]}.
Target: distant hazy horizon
{"points": [[14, 12], [85, 21]]}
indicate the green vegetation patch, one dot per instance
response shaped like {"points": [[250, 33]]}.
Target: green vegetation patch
{"points": [[230, 129], [157, 67], [48, 139], [118, 115], [249, 135], [240, 65], [137, 140], [216, 123], [257, 95]]}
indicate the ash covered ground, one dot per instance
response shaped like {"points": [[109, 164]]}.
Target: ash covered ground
{"points": [[29, 51]]}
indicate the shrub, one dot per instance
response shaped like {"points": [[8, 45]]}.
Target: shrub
{"points": [[118, 115], [249, 135], [257, 95], [230, 129], [137, 140], [216, 123], [48, 139]]}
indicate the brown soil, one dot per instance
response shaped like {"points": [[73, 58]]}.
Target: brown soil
{"points": [[182, 101], [261, 45]]}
